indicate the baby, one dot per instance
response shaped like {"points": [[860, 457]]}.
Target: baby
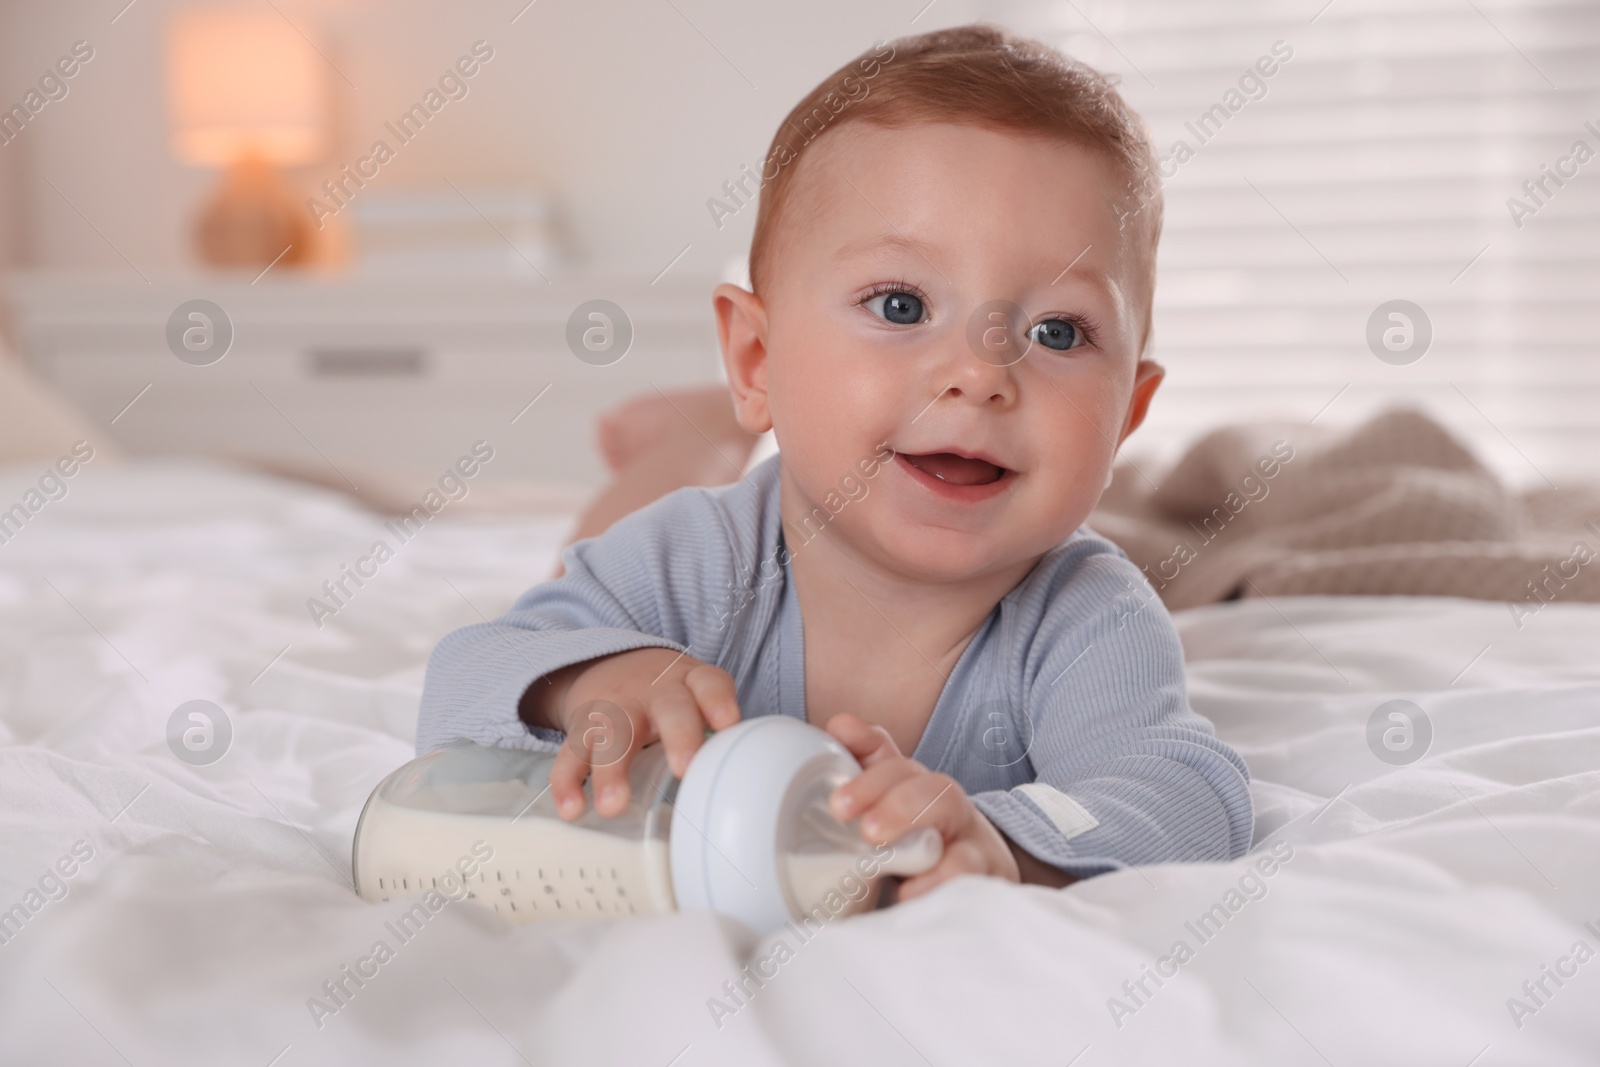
{"points": [[951, 282]]}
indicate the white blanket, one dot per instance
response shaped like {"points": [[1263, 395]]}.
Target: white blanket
{"points": [[216, 903]]}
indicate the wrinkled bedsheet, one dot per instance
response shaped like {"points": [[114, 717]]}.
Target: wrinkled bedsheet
{"points": [[1408, 911]]}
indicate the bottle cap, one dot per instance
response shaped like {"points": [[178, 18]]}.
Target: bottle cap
{"points": [[728, 817]]}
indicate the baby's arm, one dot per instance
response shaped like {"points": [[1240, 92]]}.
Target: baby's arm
{"points": [[1125, 772], [629, 589]]}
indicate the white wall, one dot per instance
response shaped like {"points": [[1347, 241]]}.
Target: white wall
{"points": [[9, 215], [621, 108], [11, 163]]}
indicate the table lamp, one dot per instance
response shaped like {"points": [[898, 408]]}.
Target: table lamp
{"points": [[246, 92]]}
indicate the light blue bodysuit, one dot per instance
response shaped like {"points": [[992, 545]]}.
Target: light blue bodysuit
{"points": [[1065, 718]]}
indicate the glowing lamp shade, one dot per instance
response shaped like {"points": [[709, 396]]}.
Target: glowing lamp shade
{"points": [[245, 92], [242, 84]]}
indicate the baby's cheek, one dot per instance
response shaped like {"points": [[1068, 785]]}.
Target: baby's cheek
{"points": [[1082, 430]]}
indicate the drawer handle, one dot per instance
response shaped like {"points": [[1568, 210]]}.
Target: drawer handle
{"points": [[367, 362]]}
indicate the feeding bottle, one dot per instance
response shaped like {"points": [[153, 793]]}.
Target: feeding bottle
{"points": [[746, 833]]}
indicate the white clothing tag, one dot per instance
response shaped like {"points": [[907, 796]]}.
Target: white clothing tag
{"points": [[1070, 817]]}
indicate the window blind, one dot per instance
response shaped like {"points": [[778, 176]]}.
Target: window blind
{"points": [[1381, 160]]}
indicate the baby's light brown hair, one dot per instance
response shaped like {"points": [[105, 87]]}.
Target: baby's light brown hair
{"points": [[982, 76]]}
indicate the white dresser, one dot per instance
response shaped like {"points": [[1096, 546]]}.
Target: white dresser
{"points": [[386, 380]]}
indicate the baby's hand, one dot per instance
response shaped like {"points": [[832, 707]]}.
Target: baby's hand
{"points": [[895, 795], [662, 696]]}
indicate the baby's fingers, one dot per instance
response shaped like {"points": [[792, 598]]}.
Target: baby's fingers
{"points": [[678, 722], [567, 773], [610, 784], [921, 800], [960, 857], [869, 788], [715, 692], [869, 744], [606, 735]]}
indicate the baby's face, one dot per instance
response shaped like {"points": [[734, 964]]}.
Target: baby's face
{"points": [[893, 241]]}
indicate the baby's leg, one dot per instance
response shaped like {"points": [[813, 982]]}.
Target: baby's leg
{"points": [[639, 423], [657, 442]]}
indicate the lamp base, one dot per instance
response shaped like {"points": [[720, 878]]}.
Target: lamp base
{"points": [[253, 220]]}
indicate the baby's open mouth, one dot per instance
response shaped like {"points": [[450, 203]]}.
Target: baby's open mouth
{"points": [[957, 470]]}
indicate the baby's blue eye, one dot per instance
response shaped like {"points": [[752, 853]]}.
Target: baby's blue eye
{"points": [[1056, 333], [899, 307]]}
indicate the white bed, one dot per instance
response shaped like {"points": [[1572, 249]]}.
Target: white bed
{"points": [[1418, 898]]}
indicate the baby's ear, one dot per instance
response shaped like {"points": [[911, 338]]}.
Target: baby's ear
{"points": [[742, 333], [1146, 380]]}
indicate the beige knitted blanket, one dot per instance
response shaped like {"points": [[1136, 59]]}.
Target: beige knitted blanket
{"points": [[1395, 506]]}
